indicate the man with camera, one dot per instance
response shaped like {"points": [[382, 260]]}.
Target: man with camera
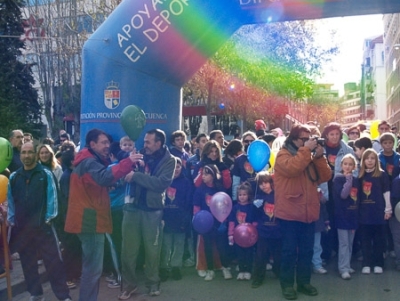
{"points": [[300, 167]]}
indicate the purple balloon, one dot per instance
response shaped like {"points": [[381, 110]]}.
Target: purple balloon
{"points": [[245, 235], [221, 206], [203, 221]]}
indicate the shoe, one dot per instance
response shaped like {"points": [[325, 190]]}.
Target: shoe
{"points": [[36, 298], [71, 284], [111, 278], [227, 273], [345, 276], [351, 271], [321, 271], [240, 276], [202, 273], [15, 256], [164, 273], [366, 270], [189, 262], [209, 276], [127, 294], [289, 293], [114, 284], [392, 254], [176, 273], [268, 267], [378, 270], [256, 283], [247, 276], [307, 289], [155, 290]]}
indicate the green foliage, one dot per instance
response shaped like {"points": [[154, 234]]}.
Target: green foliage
{"points": [[19, 106]]}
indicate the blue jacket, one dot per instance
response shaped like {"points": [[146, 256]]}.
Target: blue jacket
{"points": [[32, 197]]}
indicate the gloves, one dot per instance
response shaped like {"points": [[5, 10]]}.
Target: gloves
{"points": [[258, 203], [231, 241]]}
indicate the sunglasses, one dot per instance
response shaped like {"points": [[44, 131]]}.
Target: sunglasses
{"points": [[248, 141]]}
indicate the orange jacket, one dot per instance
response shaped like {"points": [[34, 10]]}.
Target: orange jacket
{"points": [[296, 195]]}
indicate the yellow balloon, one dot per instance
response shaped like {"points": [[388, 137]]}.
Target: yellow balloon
{"points": [[3, 188], [272, 161], [374, 129]]}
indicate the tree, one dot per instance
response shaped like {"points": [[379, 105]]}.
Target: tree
{"points": [[262, 68], [19, 106]]}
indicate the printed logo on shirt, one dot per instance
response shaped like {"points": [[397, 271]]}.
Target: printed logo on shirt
{"points": [[241, 217], [367, 188], [331, 160], [269, 209], [248, 168], [353, 193], [171, 192], [389, 169], [208, 199]]}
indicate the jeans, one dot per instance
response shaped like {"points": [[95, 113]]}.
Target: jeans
{"points": [[173, 246], [316, 259], [297, 252], [346, 238], [92, 265], [265, 248], [395, 228]]}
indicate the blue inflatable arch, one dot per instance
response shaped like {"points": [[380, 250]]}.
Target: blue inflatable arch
{"points": [[147, 49]]}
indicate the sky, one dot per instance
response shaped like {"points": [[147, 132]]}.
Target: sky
{"points": [[351, 32]]}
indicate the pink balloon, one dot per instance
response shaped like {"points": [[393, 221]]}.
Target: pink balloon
{"points": [[221, 206], [245, 235]]}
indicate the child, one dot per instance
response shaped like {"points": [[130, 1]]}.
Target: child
{"points": [[269, 234], [375, 210], [389, 161], [126, 144], [241, 213], [201, 201], [345, 196], [393, 222], [176, 218], [178, 139]]}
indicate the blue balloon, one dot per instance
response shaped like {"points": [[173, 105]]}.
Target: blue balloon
{"points": [[222, 106], [203, 221], [258, 154]]}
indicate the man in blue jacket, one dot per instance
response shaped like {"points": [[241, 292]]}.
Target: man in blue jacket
{"points": [[32, 207]]}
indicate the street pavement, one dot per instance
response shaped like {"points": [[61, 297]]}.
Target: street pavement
{"points": [[193, 288]]}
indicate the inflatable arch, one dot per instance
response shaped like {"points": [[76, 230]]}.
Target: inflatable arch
{"points": [[147, 49]]}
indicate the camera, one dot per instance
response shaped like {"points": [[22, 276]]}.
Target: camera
{"points": [[321, 141]]}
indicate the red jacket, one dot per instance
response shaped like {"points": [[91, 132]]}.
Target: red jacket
{"points": [[89, 203]]}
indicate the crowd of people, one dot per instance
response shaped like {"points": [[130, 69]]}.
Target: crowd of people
{"points": [[110, 208]]}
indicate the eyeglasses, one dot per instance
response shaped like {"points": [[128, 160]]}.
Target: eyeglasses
{"points": [[353, 133], [248, 141]]}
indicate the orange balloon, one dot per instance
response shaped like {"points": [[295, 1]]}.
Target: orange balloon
{"points": [[3, 188]]}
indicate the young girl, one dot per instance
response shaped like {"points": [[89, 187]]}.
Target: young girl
{"points": [[242, 213], [375, 210], [269, 234], [201, 201], [345, 196]]}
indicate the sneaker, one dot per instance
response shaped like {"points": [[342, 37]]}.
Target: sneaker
{"points": [[227, 273], [378, 270], [155, 290], [127, 294], [345, 276], [321, 271], [202, 273], [366, 270], [111, 278], [176, 273], [247, 276], [240, 276], [36, 298], [392, 254], [209, 276], [189, 262], [114, 284], [71, 284], [351, 271], [268, 267]]}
